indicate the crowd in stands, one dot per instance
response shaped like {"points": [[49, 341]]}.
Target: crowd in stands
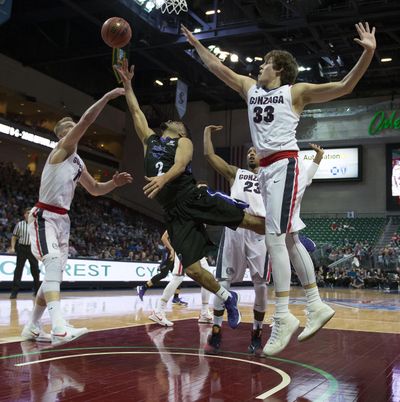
{"points": [[120, 234]]}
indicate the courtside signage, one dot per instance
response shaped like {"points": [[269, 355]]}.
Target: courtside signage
{"points": [[91, 271], [337, 164]]}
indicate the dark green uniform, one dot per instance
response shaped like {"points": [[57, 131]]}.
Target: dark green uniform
{"points": [[187, 208]]}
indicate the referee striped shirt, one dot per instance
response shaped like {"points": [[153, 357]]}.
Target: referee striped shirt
{"points": [[21, 232]]}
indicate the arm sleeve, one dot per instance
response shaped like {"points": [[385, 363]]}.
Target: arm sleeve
{"points": [[311, 172]]}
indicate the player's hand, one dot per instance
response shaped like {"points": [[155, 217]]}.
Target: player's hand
{"points": [[367, 37], [318, 149], [213, 129], [124, 72], [120, 179], [189, 36], [115, 93], [172, 255], [154, 186], [11, 251]]}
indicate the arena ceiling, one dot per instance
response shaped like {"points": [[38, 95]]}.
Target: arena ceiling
{"points": [[61, 38]]}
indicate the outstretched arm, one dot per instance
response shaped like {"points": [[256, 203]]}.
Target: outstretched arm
{"points": [[216, 162], [239, 83], [303, 93], [315, 164], [183, 156], [139, 119], [70, 141], [95, 188]]}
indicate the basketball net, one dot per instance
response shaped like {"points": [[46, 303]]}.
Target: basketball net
{"points": [[171, 6]]}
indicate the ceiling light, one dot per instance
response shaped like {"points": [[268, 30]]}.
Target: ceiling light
{"points": [[258, 58], [38, 110], [249, 60], [234, 58], [173, 79], [141, 2], [386, 59], [158, 82], [212, 12], [20, 112], [22, 104], [197, 30], [301, 68]]}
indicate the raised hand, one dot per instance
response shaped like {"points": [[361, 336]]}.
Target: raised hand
{"points": [[189, 36], [367, 37], [120, 179], [317, 148], [213, 129], [124, 72]]}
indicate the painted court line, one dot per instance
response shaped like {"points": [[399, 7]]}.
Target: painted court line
{"points": [[284, 383]]}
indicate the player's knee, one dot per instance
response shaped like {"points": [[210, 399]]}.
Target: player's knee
{"points": [[260, 289], [275, 241], [53, 266]]}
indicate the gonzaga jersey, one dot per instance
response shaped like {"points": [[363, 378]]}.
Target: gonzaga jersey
{"points": [[58, 182], [246, 188], [159, 158], [272, 121]]}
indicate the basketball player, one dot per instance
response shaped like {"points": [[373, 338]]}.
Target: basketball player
{"points": [[274, 108], [49, 224], [166, 265], [186, 207], [244, 249]]}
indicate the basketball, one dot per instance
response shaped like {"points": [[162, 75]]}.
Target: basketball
{"points": [[116, 32]]}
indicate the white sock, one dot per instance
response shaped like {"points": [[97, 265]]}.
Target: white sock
{"points": [[205, 296], [312, 295], [257, 324], [204, 308], [54, 306], [218, 320], [223, 294], [38, 309], [162, 306], [281, 306]]}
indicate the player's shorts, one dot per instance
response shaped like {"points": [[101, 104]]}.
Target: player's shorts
{"points": [[282, 187], [49, 233], [185, 222], [240, 250]]}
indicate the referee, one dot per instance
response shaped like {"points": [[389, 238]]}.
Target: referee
{"points": [[21, 245]]}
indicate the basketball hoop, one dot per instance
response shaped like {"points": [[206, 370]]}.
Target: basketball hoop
{"points": [[171, 6]]}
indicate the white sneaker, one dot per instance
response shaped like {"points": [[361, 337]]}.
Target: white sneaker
{"points": [[282, 330], [160, 318], [67, 333], [32, 332], [318, 315], [206, 317]]}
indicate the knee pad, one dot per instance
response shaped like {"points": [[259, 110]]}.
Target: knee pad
{"points": [[261, 295], [218, 302], [53, 265]]}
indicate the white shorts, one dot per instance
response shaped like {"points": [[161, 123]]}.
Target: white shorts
{"points": [[282, 186], [239, 250], [178, 267], [49, 234]]}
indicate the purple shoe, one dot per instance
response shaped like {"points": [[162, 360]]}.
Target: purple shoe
{"points": [[179, 302], [141, 290], [234, 316]]}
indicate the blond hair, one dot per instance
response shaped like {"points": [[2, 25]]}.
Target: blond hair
{"points": [[56, 128]]}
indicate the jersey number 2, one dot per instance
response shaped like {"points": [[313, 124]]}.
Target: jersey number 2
{"points": [[159, 166], [267, 114]]}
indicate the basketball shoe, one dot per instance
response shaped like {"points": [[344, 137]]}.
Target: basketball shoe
{"points": [[231, 305], [67, 333], [318, 314], [178, 301], [205, 317], [255, 347], [141, 290], [214, 341], [160, 318], [32, 332], [282, 330]]}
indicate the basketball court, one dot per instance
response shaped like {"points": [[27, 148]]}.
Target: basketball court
{"points": [[127, 357]]}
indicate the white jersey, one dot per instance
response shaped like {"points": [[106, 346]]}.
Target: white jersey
{"points": [[272, 120], [246, 188], [58, 182]]}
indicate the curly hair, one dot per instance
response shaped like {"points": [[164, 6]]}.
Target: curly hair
{"points": [[281, 59]]}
